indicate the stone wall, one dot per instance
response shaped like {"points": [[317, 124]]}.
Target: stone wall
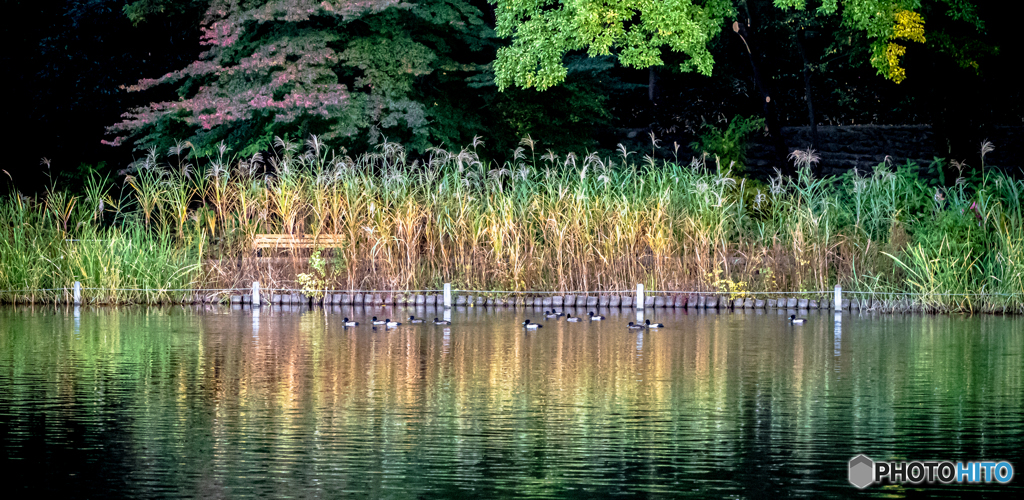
{"points": [[865, 146], [1009, 152]]}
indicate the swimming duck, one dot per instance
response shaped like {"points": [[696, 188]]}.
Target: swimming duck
{"points": [[391, 324], [648, 324], [351, 323], [572, 319], [412, 319], [441, 322], [796, 321], [551, 315], [531, 326], [377, 321], [595, 317], [635, 327]]}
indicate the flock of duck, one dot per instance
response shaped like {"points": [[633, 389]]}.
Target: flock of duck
{"points": [[393, 324], [529, 325]]}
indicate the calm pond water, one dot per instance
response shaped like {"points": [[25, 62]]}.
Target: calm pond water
{"points": [[182, 402]]}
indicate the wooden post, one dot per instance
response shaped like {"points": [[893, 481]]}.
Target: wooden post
{"points": [[78, 293], [256, 295], [639, 296], [447, 295]]}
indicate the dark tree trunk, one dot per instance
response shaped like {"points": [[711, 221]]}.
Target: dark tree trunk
{"points": [[808, 96], [652, 86], [771, 116]]}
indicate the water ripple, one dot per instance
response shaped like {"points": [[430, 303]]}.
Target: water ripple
{"points": [[208, 403]]}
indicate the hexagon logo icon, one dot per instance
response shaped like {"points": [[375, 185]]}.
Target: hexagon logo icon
{"points": [[862, 471]]}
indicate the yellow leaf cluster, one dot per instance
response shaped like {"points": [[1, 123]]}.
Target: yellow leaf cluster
{"points": [[735, 289], [907, 25], [893, 53]]}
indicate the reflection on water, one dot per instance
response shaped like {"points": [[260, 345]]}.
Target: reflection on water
{"points": [[221, 402]]}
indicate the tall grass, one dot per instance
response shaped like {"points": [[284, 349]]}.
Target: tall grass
{"points": [[39, 259], [537, 221]]}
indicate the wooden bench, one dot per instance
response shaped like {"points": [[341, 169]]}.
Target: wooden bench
{"points": [[296, 241]]}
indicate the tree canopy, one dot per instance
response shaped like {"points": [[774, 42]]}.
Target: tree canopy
{"points": [[639, 32], [338, 68], [428, 72]]}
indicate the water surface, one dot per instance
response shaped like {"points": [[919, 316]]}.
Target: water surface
{"points": [[186, 402]]}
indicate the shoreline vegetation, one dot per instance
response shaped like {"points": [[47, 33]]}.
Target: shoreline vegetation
{"points": [[180, 224]]}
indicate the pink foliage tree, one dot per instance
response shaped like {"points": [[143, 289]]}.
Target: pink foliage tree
{"points": [[340, 68]]}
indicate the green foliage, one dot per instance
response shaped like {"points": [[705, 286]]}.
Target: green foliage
{"points": [[314, 284], [43, 251], [85, 174], [950, 256], [729, 145], [543, 32], [886, 197], [565, 118], [142, 11], [639, 32], [356, 74], [952, 231], [965, 51]]}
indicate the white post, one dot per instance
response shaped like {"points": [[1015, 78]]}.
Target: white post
{"points": [[256, 294], [837, 335], [639, 296], [447, 295], [78, 293], [838, 299]]}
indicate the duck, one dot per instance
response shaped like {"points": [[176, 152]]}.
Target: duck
{"points": [[635, 327], [530, 325], [648, 324], [351, 323], [441, 322], [412, 319], [572, 319], [796, 321], [391, 324], [377, 321], [551, 315], [595, 317]]}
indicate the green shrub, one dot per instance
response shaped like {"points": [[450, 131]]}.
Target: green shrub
{"points": [[728, 144]]}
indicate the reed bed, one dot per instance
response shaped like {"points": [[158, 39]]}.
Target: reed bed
{"points": [[536, 222], [42, 252]]}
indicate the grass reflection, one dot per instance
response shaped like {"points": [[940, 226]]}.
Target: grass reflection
{"points": [[219, 402]]}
